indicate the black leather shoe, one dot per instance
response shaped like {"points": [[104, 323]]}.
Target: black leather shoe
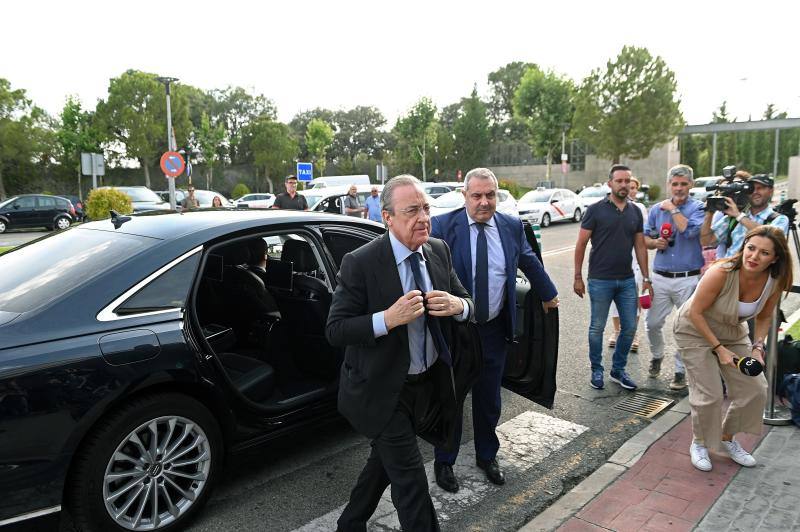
{"points": [[445, 477], [492, 470]]}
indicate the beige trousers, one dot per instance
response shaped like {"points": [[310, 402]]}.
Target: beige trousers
{"points": [[748, 396]]}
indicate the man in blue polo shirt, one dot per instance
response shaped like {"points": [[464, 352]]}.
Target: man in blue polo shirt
{"points": [[673, 228], [614, 225]]}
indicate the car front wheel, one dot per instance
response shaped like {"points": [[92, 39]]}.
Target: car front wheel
{"points": [[3, 226], [148, 466], [546, 220], [62, 223]]}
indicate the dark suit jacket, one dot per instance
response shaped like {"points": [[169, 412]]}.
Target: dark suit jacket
{"points": [[374, 370], [453, 228]]}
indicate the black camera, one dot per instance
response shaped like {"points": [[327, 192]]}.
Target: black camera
{"points": [[738, 191], [786, 207]]}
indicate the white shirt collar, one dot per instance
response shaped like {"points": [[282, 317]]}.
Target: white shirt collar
{"points": [[401, 252]]}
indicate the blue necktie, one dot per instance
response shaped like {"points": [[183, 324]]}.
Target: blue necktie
{"points": [[481, 276], [431, 322]]}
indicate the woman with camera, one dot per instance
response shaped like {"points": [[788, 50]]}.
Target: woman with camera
{"points": [[711, 334]]}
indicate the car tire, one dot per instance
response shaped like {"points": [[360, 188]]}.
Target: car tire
{"points": [[545, 220], [576, 216], [3, 226], [62, 223], [102, 480]]}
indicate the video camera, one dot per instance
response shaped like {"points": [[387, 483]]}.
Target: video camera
{"points": [[786, 207], [738, 191]]}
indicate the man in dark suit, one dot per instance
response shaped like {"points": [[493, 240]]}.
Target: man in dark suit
{"points": [[487, 248], [394, 309]]}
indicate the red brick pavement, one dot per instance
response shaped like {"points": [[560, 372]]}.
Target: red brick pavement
{"points": [[662, 491]]}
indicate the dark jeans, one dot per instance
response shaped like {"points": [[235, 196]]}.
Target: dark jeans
{"points": [[395, 459], [485, 395], [601, 293]]}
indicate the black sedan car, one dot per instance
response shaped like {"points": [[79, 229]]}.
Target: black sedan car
{"points": [[127, 376], [36, 210]]}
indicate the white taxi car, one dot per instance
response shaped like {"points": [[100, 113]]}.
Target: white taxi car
{"points": [[545, 205]]}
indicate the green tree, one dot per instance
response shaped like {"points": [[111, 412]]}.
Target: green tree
{"points": [[236, 109], [299, 126], [209, 138], [630, 108], [273, 146], [76, 134], [503, 84], [319, 137], [134, 116], [416, 130], [358, 131], [471, 131], [22, 131], [543, 101], [240, 190]]}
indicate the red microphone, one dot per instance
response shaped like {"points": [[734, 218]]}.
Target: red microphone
{"points": [[666, 233]]}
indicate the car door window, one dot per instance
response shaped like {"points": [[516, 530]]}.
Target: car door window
{"points": [[45, 203], [25, 203], [168, 290], [340, 243]]}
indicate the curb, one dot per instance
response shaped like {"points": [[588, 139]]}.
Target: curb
{"points": [[626, 456]]}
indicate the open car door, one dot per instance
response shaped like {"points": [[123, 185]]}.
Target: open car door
{"points": [[532, 360]]}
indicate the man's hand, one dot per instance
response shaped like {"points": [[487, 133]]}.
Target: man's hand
{"points": [[659, 243], [579, 287], [731, 210], [649, 286], [667, 205], [553, 303], [441, 303], [405, 310]]}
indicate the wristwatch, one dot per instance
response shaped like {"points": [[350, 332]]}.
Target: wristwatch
{"points": [[741, 215], [674, 211], [646, 280]]}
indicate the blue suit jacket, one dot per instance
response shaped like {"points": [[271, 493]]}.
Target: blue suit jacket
{"points": [[453, 228]]}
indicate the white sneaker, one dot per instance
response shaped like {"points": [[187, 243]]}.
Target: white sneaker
{"points": [[700, 457], [738, 454]]}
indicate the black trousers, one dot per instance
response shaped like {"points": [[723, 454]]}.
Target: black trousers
{"points": [[395, 459]]}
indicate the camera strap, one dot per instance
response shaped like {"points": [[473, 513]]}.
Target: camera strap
{"points": [[732, 223]]}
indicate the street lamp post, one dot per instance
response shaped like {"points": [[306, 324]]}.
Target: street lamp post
{"points": [[170, 137]]}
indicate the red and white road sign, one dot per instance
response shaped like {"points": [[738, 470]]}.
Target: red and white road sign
{"points": [[172, 164]]}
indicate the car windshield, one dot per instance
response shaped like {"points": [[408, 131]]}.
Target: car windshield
{"points": [[6, 202], [449, 199], [593, 192], [536, 196], [313, 199], [41, 272], [141, 194]]}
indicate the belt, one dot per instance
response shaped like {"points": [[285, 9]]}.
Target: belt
{"points": [[673, 275], [414, 378]]}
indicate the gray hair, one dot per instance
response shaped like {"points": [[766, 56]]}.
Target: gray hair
{"points": [[480, 173], [680, 170], [395, 182]]}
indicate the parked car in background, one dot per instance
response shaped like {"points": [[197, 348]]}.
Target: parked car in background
{"points": [[179, 195], [455, 200], [143, 199], [205, 197], [593, 194], [256, 200], [435, 190], [36, 210], [546, 205], [80, 211], [331, 199], [699, 192], [128, 375], [337, 180]]}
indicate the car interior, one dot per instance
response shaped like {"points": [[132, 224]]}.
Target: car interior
{"points": [[267, 326]]}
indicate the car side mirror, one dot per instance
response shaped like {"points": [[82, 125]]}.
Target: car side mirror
{"points": [[553, 201]]}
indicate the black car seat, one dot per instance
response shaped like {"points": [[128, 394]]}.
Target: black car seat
{"points": [[255, 379]]}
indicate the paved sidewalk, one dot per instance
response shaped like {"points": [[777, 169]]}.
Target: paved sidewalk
{"points": [[649, 484]]}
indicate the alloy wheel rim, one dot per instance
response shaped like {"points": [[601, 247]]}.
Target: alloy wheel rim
{"points": [[62, 223], [156, 473]]}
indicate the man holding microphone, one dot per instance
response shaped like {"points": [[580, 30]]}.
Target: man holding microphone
{"points": [[673, 228]]}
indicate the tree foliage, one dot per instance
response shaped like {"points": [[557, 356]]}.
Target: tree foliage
{"points": [[102, 200], [630, 107], [77, 133], [471, 130], [236, 109], [209, 139], [319, 137], [543, 102], [274, 147], [416, 130]]}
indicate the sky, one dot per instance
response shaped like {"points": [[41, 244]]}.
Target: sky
{"points": [[307, 54]]}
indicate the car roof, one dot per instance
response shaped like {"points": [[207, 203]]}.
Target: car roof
{"points": [[169, 225]]}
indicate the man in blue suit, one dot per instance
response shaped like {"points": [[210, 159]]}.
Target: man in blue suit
{"points": [[487, 248]]}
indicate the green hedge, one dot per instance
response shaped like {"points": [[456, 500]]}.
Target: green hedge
{"points": [[101, 201]]}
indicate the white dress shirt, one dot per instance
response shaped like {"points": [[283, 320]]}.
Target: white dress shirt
{"points": [[497, 264]]}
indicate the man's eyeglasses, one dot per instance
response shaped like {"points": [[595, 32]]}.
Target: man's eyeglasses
{"points": [[414, 210]]}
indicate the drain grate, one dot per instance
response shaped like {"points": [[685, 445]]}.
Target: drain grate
{"points": [[643, 405]]}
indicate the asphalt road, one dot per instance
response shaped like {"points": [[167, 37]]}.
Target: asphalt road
{"points": [[302, 481]]}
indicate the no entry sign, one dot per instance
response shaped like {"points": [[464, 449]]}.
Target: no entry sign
{"points": [[172, 164]]}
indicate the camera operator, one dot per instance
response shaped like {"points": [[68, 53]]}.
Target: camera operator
{"points": [[673, 228], [730, 229]]}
